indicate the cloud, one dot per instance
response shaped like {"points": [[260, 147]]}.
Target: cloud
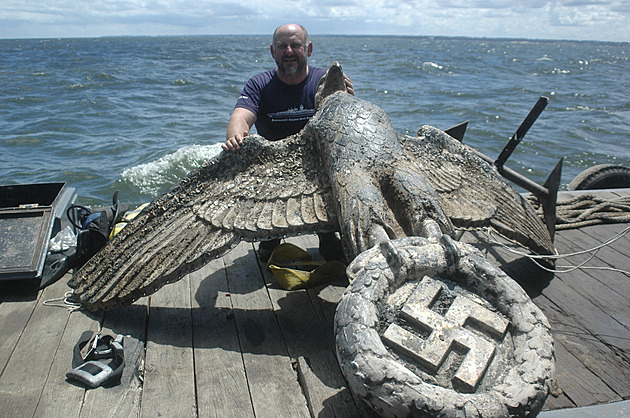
{"points": [[550, 19]]}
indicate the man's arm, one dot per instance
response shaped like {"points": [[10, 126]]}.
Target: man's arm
{"points": [[238, 128]]}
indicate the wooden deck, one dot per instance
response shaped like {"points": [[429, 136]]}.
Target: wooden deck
{"points": [[228, 341]]}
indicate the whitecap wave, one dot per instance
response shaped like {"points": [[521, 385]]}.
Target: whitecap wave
{"points": [[434, 65], [156, 176]]}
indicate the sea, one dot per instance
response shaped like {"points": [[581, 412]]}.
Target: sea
{"points": [[136, 114]]}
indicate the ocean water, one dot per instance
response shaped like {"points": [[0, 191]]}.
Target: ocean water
{"points": [[136, 114]]}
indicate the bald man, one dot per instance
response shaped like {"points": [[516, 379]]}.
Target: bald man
{"points": [[280, 102]]}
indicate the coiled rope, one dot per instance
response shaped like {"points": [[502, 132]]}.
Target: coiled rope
{"points": [[586, 210]]}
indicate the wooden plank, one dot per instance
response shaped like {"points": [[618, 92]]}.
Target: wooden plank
{"points": [[122, 399], [580, 353], [598, 322], [221, 382], [578, 383], [599, 359], [561, 401], [614, 255], [579, 306], [607, 289], [595, 356], [617, 251], [592, 236], [273, 384], [309, 344], [599, 287], [60, 397], [15, 311], [324, 299], [169, 380], [28, 368]]}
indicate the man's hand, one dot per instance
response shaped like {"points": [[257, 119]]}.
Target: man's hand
{"points": [[234, 143], [238, 128]]}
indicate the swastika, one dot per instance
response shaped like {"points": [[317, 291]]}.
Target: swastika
{"points": [[447, 333]]}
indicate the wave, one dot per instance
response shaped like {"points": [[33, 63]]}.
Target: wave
{"points": [[154, 177]]}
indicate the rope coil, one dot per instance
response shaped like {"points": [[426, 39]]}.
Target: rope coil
{"points": [[587, 210]]}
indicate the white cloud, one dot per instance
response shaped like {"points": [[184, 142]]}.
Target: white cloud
{"points": [[548, 19]]}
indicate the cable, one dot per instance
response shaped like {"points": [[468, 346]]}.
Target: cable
{"points": [[568, 269]]}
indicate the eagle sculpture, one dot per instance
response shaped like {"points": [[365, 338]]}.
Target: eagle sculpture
{"points": [[348, 170]]}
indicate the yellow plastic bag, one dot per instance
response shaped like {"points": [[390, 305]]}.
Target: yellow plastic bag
{"points": [[294, 268], [128, 217]]}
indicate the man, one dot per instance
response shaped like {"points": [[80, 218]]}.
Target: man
{"points": [[280, 102]]}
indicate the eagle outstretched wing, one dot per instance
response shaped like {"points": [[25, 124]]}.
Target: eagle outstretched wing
{"points": [[263, 191], [472, 192]]}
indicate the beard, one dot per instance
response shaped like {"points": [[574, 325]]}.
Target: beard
{"points": [[291, 68]]}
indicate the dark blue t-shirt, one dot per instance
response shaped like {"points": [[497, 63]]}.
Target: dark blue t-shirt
{"points": [[281, 109]]}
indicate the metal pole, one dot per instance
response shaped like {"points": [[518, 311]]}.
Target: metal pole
{"points": [[522, 130], [527, 184]]}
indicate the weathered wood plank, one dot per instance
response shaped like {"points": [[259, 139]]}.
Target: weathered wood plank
{"points": [[581, 352], [169, 378], [273, 384], [60, 397], [324, 297], [612, 255], [28, 368], [599, 359], [579, 308], [597, 319], [561, 401], [577, 382], [565, 295], [15, 311], [594, 355], [123, 399], [308, 344], [617, 251], [605, 289], [221, 382]]}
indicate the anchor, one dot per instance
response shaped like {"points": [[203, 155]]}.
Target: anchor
{"points": [[547, 194]]}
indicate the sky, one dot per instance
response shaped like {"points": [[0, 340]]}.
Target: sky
{"points": [[598, 20]]}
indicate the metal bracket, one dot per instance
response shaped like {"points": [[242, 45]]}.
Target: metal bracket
{"points": [[548, 193], [457, 131], [522, 130]]}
